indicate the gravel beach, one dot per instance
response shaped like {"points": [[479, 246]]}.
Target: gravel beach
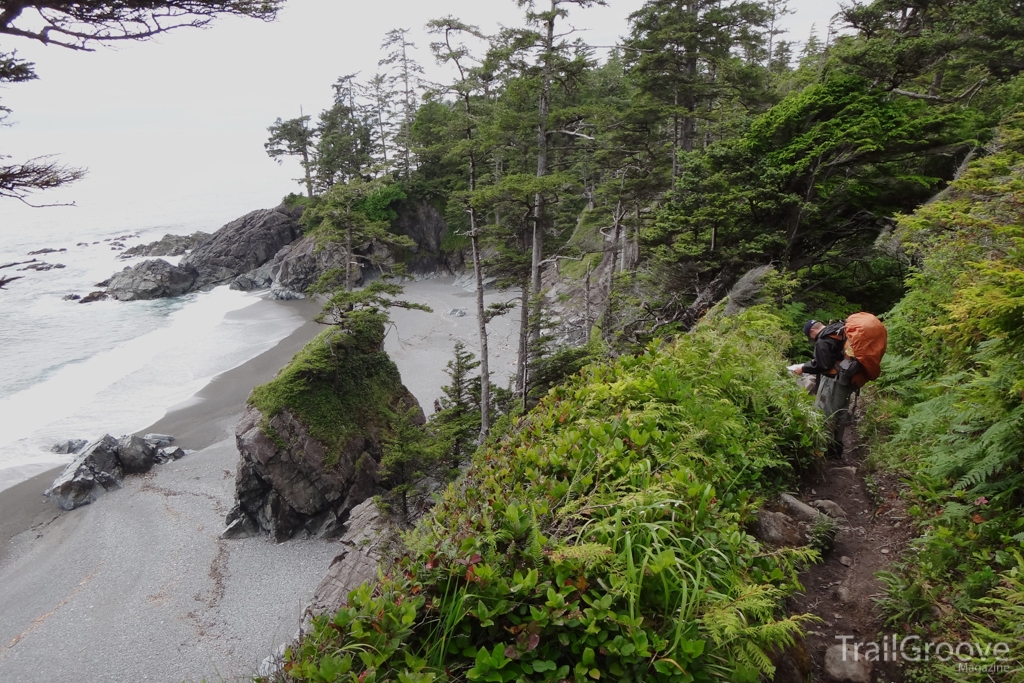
{"points": [[138, 586]]}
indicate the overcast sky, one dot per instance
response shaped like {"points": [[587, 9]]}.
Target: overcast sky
{"points": [[172, 130]]}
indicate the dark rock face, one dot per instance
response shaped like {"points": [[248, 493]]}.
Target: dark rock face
{"points": [[296, 267], [97, 470], [422, 222], [92, 296], [152, 280], [242, 245], [284, 485], [136, 454], [168, 245]]}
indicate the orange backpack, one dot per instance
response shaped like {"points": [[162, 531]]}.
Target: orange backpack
{"points": [[866, 340]]}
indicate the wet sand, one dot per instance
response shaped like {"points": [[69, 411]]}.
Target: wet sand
{"points": [[138, 586]]}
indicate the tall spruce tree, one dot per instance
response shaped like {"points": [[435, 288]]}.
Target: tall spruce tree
{"points": [[294, 137], [345, 144], [405, 77], [467, 86]]}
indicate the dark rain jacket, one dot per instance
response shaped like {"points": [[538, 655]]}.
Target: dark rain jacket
{"points": [[828, 350]]}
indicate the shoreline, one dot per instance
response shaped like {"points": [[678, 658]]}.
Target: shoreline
{"points": [[139, 585], [196, 423]]}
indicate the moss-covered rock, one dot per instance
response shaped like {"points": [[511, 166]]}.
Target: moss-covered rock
{"points": [[311, 439]]}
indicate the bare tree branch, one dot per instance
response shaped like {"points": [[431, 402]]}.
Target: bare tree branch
{"points": [[80, 25], [18, 181]]}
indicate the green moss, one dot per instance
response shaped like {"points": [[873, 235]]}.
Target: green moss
{"points": [[577, 270], [340, 384]]}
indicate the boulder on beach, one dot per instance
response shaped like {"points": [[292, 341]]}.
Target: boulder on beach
{"points": [[311, 440], [96, 470], [158, 440], [242, 245], [102, 464], [168, 245], [152, 280], [69, 446], [169, 453], [136, 454]]}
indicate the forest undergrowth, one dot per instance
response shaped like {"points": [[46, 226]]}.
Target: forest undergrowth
{"points": [[605, 536]]}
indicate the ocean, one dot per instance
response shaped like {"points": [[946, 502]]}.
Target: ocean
{"points": [[70, 370]]}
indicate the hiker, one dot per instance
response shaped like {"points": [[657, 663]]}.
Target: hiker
{"points": [[847, 355], [829, 341]]}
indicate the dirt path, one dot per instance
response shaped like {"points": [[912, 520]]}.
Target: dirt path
{"points": [[840, 590]]}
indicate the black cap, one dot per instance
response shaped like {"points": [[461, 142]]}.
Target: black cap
{"points": [[807, 327]]}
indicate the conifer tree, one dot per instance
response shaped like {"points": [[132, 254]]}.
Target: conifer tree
{"points": [[344, 148], [458, 421], [294, 137], [355, 212], [466, 89], [411, 455], [406, 74]]}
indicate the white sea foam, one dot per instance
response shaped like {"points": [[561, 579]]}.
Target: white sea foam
{"points": [[78, 371]]}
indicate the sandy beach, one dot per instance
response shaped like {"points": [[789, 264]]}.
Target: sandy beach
{"points": [[138, 586]]}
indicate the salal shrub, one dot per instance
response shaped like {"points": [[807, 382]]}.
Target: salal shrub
{"points": [[605, 537]]}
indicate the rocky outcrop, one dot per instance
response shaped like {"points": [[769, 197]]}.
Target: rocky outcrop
{"points": [[311, 440], [168, 245], [97, 470], [42, 266], [101, 466], [242, 245], [285, 483], [91, 297], [152, 280], [295, 267], [367, 534]]}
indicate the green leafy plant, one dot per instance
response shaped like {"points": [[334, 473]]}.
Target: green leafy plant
{"points": [[589, 543]]}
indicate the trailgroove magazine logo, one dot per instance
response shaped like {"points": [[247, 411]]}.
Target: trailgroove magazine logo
{"points": [[974, 657]]}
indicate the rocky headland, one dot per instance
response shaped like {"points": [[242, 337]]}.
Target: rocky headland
{"points": [[266, 250]]}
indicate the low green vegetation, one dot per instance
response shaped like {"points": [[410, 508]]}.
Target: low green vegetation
{"points": [[949, 413], [605, 536], [341, 383]]}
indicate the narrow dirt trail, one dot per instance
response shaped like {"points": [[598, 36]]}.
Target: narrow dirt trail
{"points": [[841, 589]]}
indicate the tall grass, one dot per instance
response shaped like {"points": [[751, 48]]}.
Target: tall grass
{"points": [[605, 538]]}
